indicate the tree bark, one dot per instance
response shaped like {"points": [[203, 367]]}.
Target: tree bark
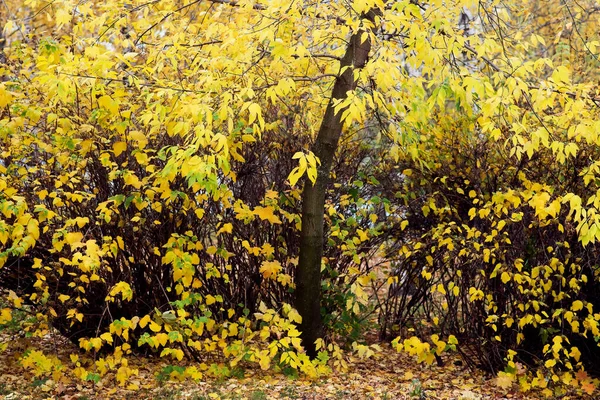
{"points": [[308, 275]]}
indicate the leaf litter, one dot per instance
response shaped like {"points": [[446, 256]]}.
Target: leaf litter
{"points": [[386, 375]]}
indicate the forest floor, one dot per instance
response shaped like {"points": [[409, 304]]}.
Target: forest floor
{"points": [[388, 375]]}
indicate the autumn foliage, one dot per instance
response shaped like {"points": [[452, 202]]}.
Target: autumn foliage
{"points": [[153, 155]]}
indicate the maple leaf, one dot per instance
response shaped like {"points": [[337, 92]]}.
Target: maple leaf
{"points": [[504, 380], [581, 375], [284, 279], [588, 387], [521, 369], [267, 249], [270, 269]]}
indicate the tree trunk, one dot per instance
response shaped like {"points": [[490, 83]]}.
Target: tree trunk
{"points": [[308, 275]]}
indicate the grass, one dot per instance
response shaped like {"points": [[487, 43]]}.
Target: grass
{"points": [[258, 395], [4, 390], [290, 392]]}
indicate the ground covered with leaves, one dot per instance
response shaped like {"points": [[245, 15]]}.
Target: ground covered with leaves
{"points": [[387, 375]]}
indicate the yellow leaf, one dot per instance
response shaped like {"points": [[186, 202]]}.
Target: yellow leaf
{"points": [[73, 238], [550, 363], [270, 269], [119, 147], [265, 362], [5, 97], [124, 289], [62, 17], [504, 380], [193, 373], [154, 327], [63, 298], [267, 249], [122, 375], [226, 228], [300, 169], [362, 235], [575, 353], [295, 175], [96, 343], [254, 113], [5, 316], [178, 353], [267, 214], [108, 104], [441, 289], [294, 316], [162, 338], [577, 305], [107, 337]]}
